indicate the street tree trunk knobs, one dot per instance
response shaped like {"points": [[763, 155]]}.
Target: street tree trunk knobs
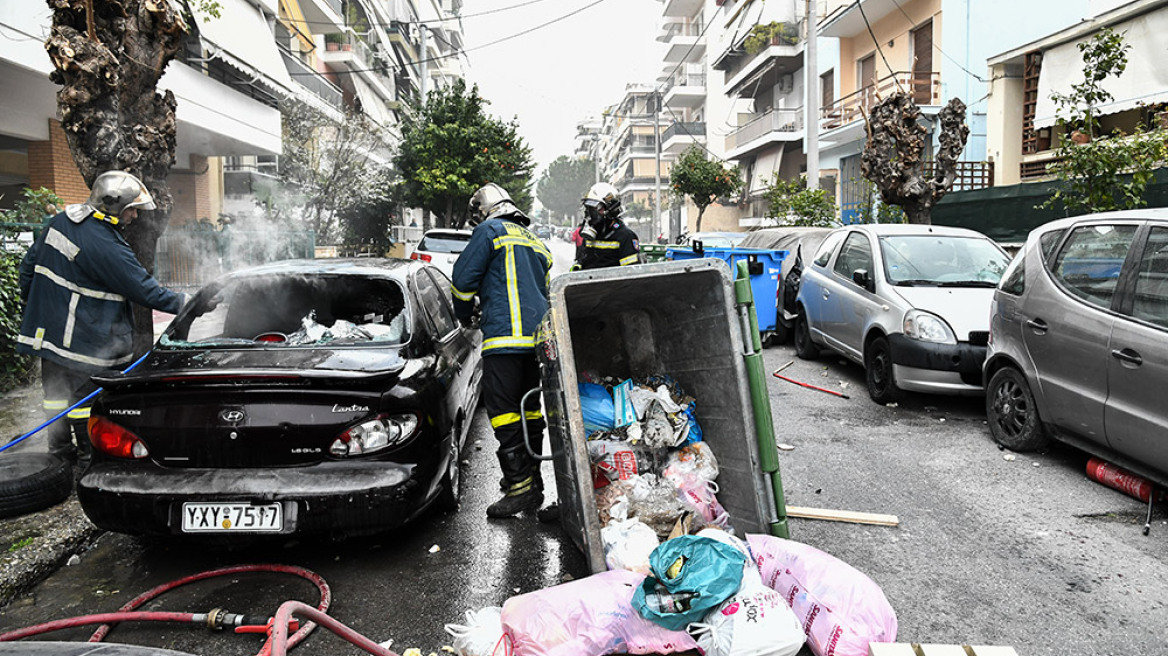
{"points": [[892, 157], [108, 56]]}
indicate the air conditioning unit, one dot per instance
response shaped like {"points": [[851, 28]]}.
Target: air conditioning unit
{"points": [[786, 83]]}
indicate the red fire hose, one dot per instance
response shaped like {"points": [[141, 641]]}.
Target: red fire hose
{"points": [[279, 642]]}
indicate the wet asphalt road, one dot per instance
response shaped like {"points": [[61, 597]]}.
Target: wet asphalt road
{"points": [[1024, 552]]}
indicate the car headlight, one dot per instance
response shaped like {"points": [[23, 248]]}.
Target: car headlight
{"points": [[927, 327], [375, 435]]}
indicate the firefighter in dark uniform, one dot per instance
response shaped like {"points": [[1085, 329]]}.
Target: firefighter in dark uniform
{"points": [[78, 280], [507, 267], [607, 240]]}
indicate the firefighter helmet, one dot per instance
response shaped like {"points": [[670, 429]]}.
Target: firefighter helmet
{"points": [[115, 191]]}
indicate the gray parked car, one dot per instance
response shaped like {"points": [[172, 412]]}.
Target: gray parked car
{"points": [[1079, 340], [908, 302]]}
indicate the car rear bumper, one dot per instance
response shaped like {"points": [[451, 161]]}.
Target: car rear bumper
{"points": [[341, 498], [937, 368]]}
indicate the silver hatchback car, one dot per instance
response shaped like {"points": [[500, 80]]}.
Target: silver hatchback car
{"points": [[1079, 340], [908, 302]]}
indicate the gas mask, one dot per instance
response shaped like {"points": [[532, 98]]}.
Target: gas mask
{"points": [[596, 220]]}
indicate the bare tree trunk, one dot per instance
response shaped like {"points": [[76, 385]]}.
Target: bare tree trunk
{"points": [[425, 219], [701, 211], [108, 62], [892, 157]]}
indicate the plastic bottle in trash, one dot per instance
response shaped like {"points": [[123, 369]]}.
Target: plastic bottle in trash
{"points": [[668, 602]]}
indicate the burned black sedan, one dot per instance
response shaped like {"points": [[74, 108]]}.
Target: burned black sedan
{"points": [[328, 396]]}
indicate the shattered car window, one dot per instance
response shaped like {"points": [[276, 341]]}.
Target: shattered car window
{"points": [[293, 310]]}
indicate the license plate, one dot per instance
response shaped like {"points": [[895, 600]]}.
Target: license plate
{"points": [[232, 517]]}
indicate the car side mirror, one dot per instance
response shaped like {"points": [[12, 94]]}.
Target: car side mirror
{"points": [[861, 278]]}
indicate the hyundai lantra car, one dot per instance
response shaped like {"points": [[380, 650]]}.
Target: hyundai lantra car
{"points": [[908, 302], [1079, 340], [326, 396]]}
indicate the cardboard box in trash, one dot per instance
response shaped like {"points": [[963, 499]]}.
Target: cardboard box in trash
{"points": [[672, 318]]}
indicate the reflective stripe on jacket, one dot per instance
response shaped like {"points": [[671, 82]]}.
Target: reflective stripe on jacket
{"points": [[78, 280], [508, 267], [619, 247]]}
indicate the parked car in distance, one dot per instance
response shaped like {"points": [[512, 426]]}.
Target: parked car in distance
{"points": [[910, 303], [441, 248], [301, 397], [1079, 340]]}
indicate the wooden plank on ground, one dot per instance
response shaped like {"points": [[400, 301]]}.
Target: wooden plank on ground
{"points": [[842, 516], [926, 649]]}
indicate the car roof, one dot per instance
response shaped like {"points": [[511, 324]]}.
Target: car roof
{"points": [[374, 267], [1146, 214], [891, 229], [448, 232]]}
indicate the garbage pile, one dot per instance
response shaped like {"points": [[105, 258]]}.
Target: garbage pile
{"points": [[679, 578]]}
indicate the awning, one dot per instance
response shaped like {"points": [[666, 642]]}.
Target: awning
{"points": [[371, 103], [765, 166], [1144, 82], [242, 38]]}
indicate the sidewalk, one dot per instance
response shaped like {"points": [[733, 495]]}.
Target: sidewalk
{"points": [[34, 546]]}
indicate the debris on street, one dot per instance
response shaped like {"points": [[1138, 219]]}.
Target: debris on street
{"points": [[810, 386], [849, 516]]}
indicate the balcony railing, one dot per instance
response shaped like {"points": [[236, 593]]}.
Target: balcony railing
{"points": [[970, 175], [924, 87], [351, 42], [691, 80], [789, 37], [1036, 168], [676, 29], [776, 120], [681, 129], [315, 82]]}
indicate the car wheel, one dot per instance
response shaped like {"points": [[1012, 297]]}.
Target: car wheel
{"points": [[32, 481], [878, 371], [451, 483], [804, 347], [1012, 414]]}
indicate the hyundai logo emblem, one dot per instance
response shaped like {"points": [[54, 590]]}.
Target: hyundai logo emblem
{"points": [[232, 416]]}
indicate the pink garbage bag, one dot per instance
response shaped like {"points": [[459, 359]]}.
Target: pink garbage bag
{"points": [[592, 616], [840, 608]]}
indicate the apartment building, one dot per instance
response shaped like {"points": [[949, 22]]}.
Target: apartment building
{"points": [[1022, 131], [934, 49], [627, 146]]}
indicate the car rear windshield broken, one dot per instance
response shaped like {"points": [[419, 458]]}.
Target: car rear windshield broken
{"points": [[293, 311]]}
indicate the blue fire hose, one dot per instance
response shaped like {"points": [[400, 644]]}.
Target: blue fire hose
{"points": [[66, 410]]}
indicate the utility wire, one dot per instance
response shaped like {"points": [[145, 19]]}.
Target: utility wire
{"points": [[937, 47], [878, 48], [430, 20], [466, 50]]}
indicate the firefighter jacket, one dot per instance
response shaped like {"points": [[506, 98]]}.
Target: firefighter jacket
{"points": [[78, 280], [617, 247], [508, 267]]}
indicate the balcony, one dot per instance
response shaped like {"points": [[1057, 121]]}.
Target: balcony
{"points": [[312, 80], [783, 52], [672, 29], [680, 136], [349, 50], [321, 16], [766, 129], [926, 91], [682, 8], [686, 43], [686, 91]]}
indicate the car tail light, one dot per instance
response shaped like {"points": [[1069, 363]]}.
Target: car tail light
{"points": [[375, 435], [420, 256], [111, 439]]}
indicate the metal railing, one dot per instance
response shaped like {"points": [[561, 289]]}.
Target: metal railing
{"points": [[776, 120], [675, 29], [924, 87], [312, 80], [682, 129], [970, 175]]}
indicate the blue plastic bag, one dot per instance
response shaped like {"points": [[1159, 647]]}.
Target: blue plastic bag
{"points": [[596, 403], [709, 569], [695, 431]]}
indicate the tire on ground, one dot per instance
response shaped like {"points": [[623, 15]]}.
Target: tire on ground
{"points": [[32, 481]]}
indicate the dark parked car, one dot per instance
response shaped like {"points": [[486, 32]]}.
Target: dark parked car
{"points": [[328, 396], [1079, 340]]}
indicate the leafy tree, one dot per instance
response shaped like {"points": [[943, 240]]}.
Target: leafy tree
{"points": [[564, 183], [326, 169], [450, 147], [1099, 173], [639, 209], [702, 180], [792, 203], [893, 156], [367, 222], [37, 206]]}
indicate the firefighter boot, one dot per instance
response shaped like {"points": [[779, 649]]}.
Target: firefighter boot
{"points": [[520, 488]]}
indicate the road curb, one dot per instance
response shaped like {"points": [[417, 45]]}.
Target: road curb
{"points": [[34, 546]]}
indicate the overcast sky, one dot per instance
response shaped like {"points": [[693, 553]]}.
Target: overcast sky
{"points": [[554, 77]]}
